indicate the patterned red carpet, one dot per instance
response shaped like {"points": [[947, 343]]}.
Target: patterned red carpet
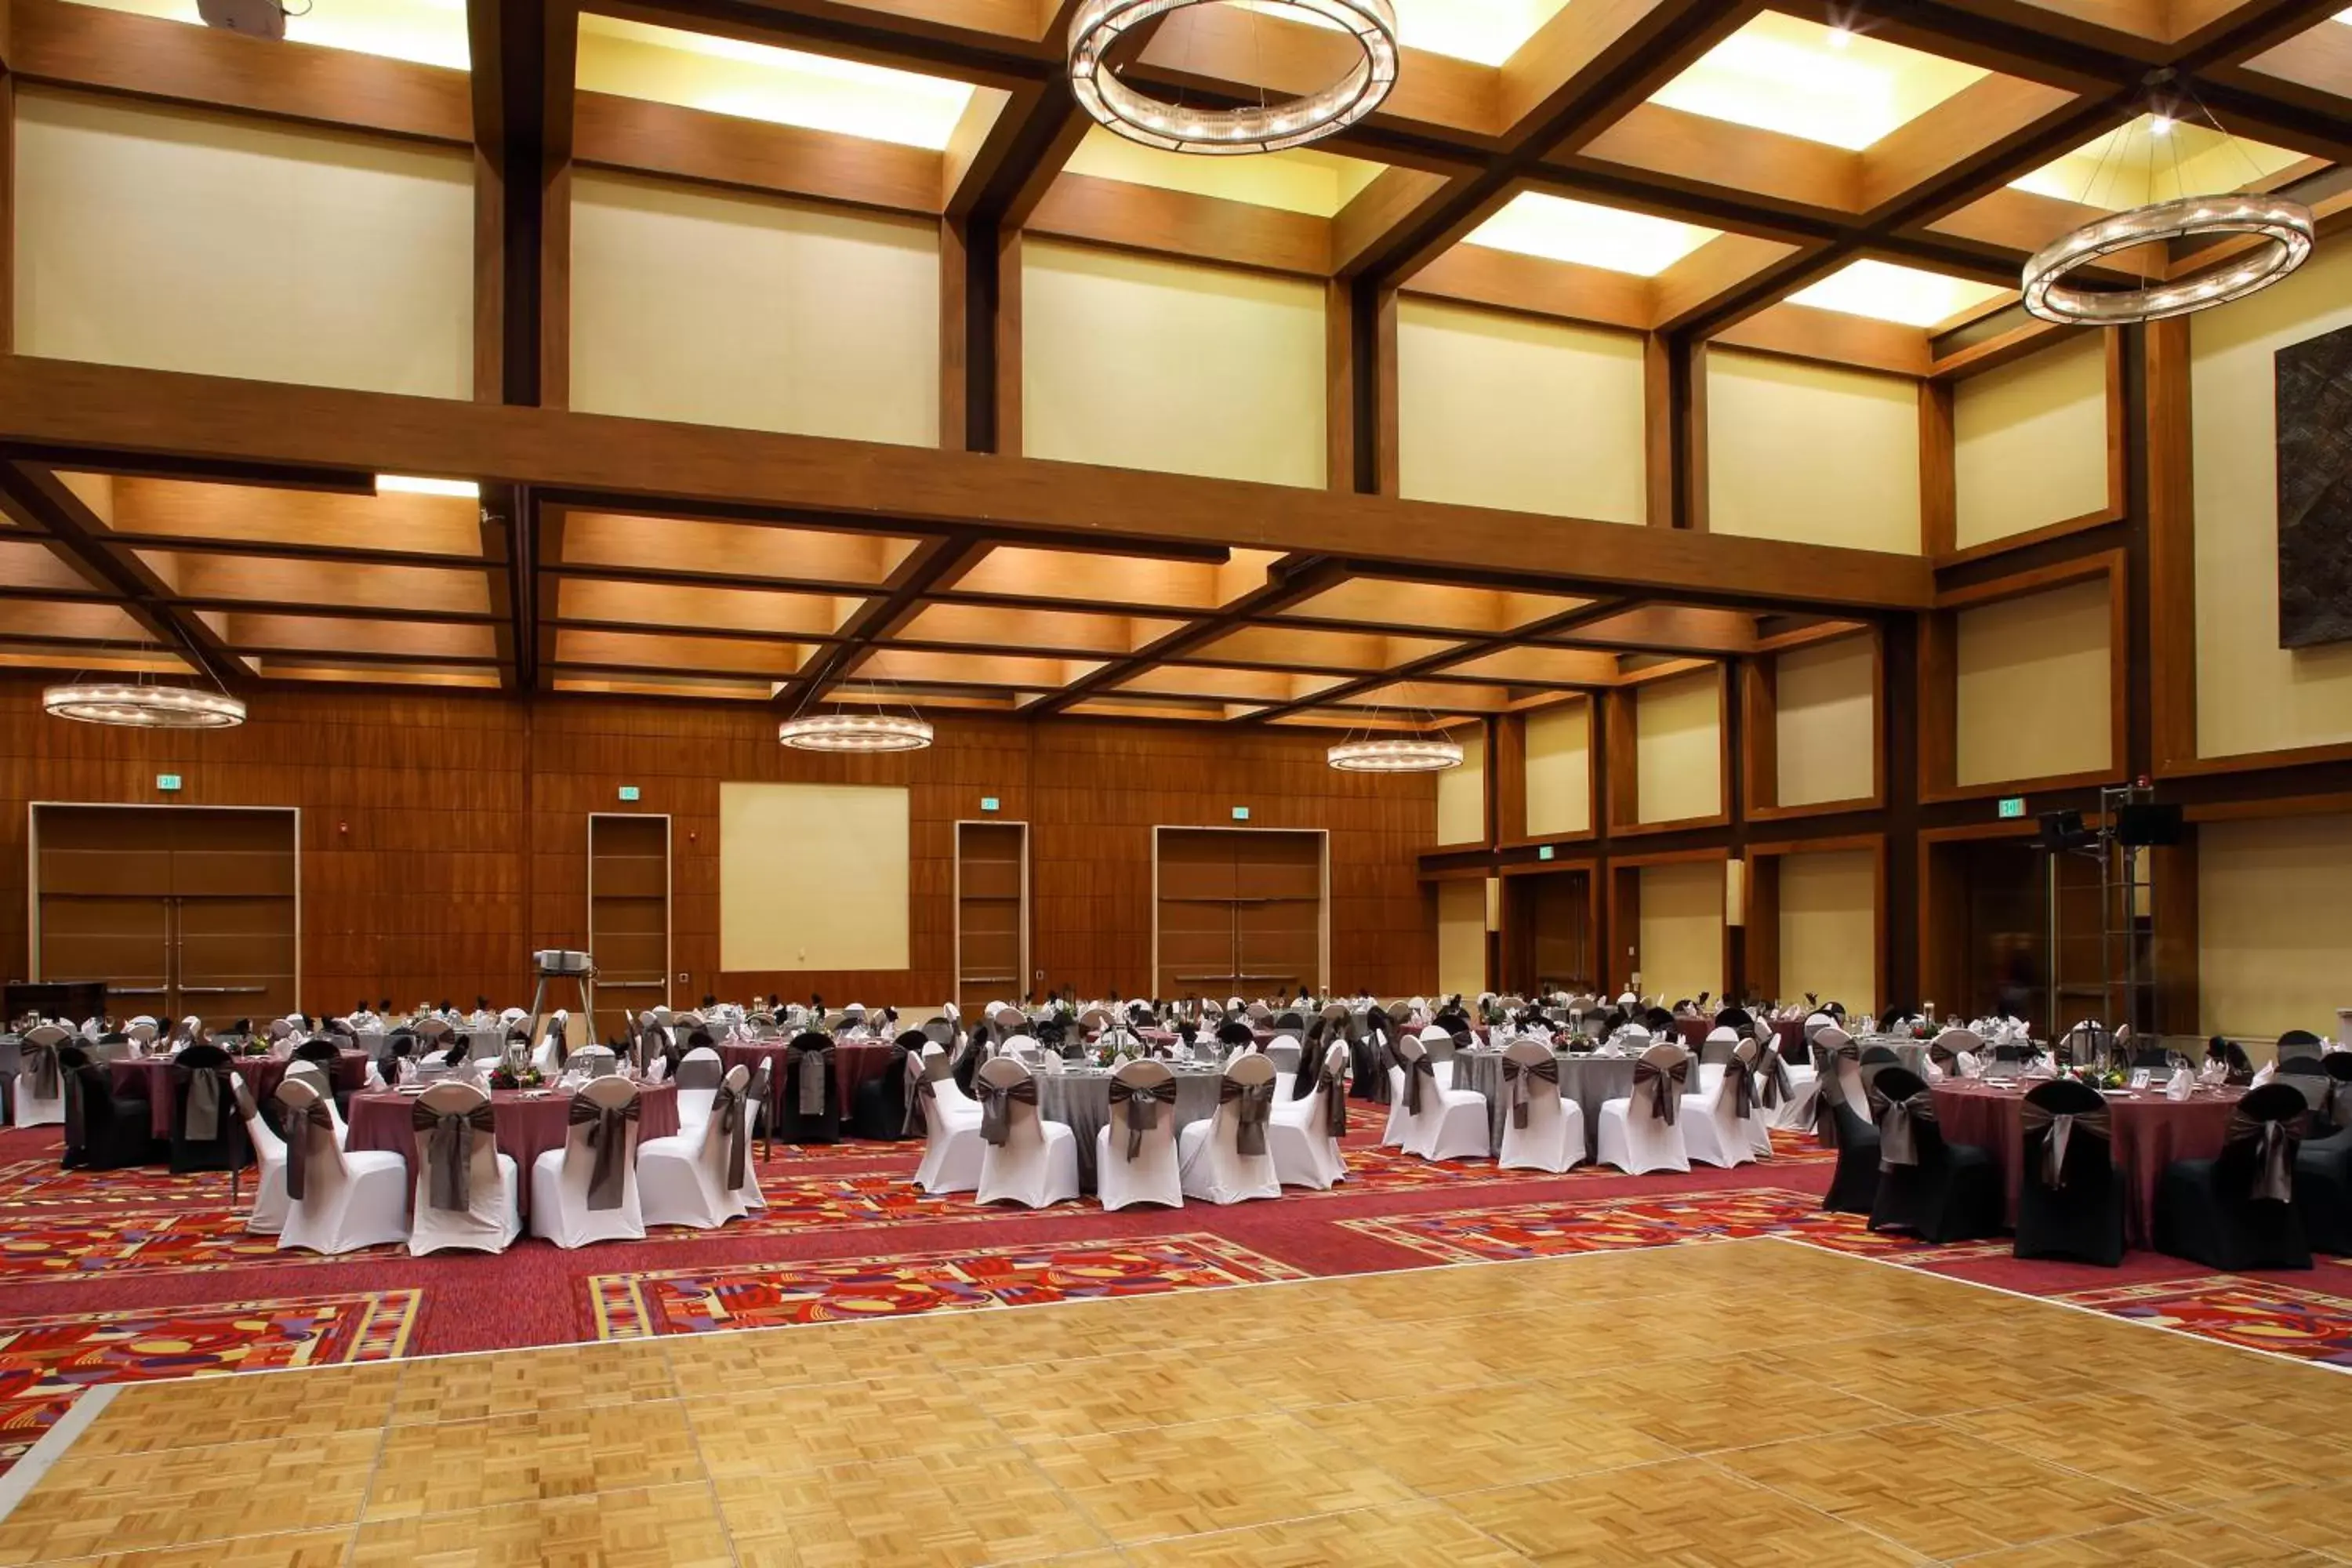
{"points": [[139, 1275]]}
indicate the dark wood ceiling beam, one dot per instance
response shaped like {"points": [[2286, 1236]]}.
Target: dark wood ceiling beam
{"points": [[932, 565], [1472, 647]]}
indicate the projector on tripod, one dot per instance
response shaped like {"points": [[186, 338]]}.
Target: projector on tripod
{"points": [[565, 963]]}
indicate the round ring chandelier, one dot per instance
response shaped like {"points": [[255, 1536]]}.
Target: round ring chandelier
{"points": [[1266, 128], [2281, 231], [143, 707], [855, 733], [1395, 754]]}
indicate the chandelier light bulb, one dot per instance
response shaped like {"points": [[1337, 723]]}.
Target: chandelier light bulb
{"points": [[2282, 230], [855, 733], [135, 707], [1396, 754]]}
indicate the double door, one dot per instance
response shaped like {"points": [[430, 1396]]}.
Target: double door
{"points": [[176, 911]]}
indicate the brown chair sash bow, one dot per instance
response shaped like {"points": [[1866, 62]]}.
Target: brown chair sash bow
{"points": [[919, 1086], [1335, 1104], [1419, 1068], [1898, 1120], [996, 1106], [807, 1068], [1515, 1089], [1739, 1082], [1254, 1105], [726, 1114], [608, 1137], [320, 1114], [446, 1144], [200, 1122], [41, 1064], [1665, 1087], [1773, 1087], [2061, 1127], [2274, 1144], [1142, 1102]]}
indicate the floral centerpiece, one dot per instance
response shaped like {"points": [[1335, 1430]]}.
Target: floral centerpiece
{"points": [[2097, 1078], [253, 1046], [512, 1078]]}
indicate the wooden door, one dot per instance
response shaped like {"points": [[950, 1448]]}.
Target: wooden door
{"points": [[992, 914], [232, 875], [1240, 912], [628, 909], [1549, 924]]}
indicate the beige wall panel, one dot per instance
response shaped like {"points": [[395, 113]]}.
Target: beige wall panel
{"points": [[2034, 678], [1826, 722], [1462, 792], [2270, 924], [722, 308], [1812, 453], [1682, 930], [178, 240], [813, 876], [1678, 734], [1829, 927], [2252, 694], [1500, 410], [1141, 363], [1462, 937], [2030, 442], [1559, 769]]}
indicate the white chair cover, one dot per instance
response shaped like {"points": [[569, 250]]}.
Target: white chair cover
{"points": [[1135, 1150], [699, 1073], [695, 1178], [1720, 1124], [269, 1213], [336, 1201], [951, 1120], [1644, 1132], [1023, 1159], [565, 1195], [1441, 1123], [40, 1095], [1227, 1159], [1304, 1135], [488, 1213], [1542, 1130]]}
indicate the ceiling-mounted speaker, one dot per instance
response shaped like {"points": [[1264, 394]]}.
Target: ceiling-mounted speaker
{"points": [[255, 18], [2147, 824]]}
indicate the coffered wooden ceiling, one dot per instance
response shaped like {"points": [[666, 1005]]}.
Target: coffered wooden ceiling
{"points": [[1857, 182]]}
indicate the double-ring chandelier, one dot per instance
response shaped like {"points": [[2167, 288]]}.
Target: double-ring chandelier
{"points": [[1260, 128], [855, 733], [1396, 754], [142, 707], [2277, 230]]}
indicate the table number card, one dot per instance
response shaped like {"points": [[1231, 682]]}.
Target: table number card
{"points": [[2140, 1079]]}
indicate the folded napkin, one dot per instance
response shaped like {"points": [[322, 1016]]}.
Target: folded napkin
{"points": [[1934, 1073], [2264, 1074], [1968, 1064], [2181, 1083], [2212, 1072]]}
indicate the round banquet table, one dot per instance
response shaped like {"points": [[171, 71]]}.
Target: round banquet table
{"points": [[530, 1123], [151, 1077], [853, 1062], [1079, 1098], [2150, 1133], [1587, 1080]]}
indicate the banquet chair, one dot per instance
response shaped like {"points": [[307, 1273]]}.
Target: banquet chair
{"points": [[1226, 1159], [811, 1109], [40, 1088], [587, 1190], [1440, 1123], [1437, 1041], [554, 1048], [1938, 1190], [1715, 1051], [1720, 1124], [1839, 1103], [2237, 1067], [336, 1201], [2297, 1045], [317, 1078], [2323, 1165], [1542, 1128], [468, 1195], [1642, 1132], [1877, 1060], [1024, 1158], [1957, 1051], [951, 1123], [104, 1130], [880, 1110], [1135, 1149], [2236, 1210], [759, 1102], [326, 1054], [1303, 1135], [695, 1177], [140, 1031], [1786, 1091], [1285, 1051], [1235, 1035], [204, 1131], [267, 1217], [698, 1074], [2070, 1199], [594, 1061]]}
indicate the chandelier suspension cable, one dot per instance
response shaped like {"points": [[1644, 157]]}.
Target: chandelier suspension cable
{"points": [[878, 730], [1381, 752]]}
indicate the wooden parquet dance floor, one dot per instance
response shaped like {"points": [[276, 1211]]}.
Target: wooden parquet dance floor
{"points": [[1743, 1403]]}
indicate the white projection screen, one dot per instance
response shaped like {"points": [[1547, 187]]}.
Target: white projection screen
{"points": [[811, 877]]}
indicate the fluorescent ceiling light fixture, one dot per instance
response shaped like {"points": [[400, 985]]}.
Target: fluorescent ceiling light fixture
{"points": [[1534, 224], [2136, 166], [422, 485], [1891, 293], [428, 32], [1302, 180], [1783, 73], [757, 82]]}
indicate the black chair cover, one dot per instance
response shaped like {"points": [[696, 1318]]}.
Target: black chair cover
{"points": [[881, 1108], [1854, 1184], [103, 1132], [2070, 1202], [1942, 1191], [206, 1131], [809, 1101], [2235, 1210]]}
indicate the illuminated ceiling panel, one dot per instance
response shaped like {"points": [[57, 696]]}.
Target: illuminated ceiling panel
{"points": [[1891, 293], [2154, 160], [1300, 180], [429, 32], [1782, 73], [1565, 230], [754, 81], [1487, 31]]}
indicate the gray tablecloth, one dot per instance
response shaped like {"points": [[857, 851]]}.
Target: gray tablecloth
{"points": [[1081, 1101], [1588, 1080]]}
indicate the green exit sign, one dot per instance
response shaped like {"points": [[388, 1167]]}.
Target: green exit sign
{"points": [[988, 803], [167, 782], [2012, 805], [629, 791], [1544, 853], [1241, 813]]}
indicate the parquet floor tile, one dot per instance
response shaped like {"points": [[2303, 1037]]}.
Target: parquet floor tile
{"points": [[2192, 1542], [1415, 1535], [1456, 1441], [282, 1407], [456, 1467], [309, 1549], [989, 1509], [515, 1383], [183, 1495], [786, 1430], [653, 1526]]}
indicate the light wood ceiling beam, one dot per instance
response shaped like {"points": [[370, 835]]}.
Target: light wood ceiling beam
{"points": [[1564, 622], [1179, 223]]}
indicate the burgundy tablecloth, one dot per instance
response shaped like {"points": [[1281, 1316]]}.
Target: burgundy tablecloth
{"points": [[151, 1078], [853, 1062], [2150, 1133], [526, 1128]]}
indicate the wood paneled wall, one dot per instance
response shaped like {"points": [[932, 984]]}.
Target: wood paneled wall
{"points": [[445, 836]]}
